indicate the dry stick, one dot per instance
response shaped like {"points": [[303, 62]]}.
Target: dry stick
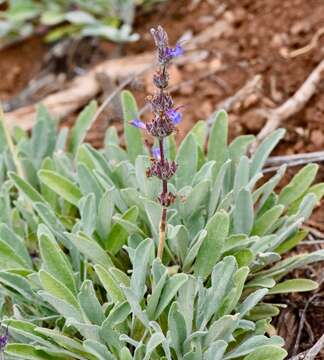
{"points": [[116, 91], [312, 352], [85, 87], [253, 85], [293, 160], [308, 47], [294, 104], [302, 322]]}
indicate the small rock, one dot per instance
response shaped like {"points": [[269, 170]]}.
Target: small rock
{"points": [[300, 27], [317, 138]]}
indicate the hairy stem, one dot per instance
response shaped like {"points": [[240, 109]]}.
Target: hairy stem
{"points": [[164, 211], [162, 233]]}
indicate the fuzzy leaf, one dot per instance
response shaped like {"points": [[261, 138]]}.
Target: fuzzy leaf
{"points": [[61, 185], [132, 134], [81, 126], [211, 248], [294, 285]]}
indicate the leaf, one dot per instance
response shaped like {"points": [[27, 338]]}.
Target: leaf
{"points": [[194, 249], [61, 185], [267, 352], [88, 212], [155, 340], [291, 242], [25, 188], [135, 306], [61, 339], [221, 281], [243, 213], [26, 330], [24, 351], [57, 289], [88, 182], [211, 248], [16, 243], [251, 301], [132, 134], [217, 188], [199, 131], [105, 212], [294, 285], [264, 222], [55, 261], [264, 150], [215, 351], [144, 254], [99, 350], [112, 287], [62, 307], [177, 328], [298, 185], [9, 258], [91, 249], [79, 17], [238, 146], [81, 126], [221, 329], [169, 291], [217, 144], [187, 160], [317, 189], [18, 283], [120, 232], [251, 344], [186, 300], [89, 303], [196, 200], [263, 311]]}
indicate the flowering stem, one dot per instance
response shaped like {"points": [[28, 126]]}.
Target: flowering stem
{"points": [[164, 210], [162, 232]]}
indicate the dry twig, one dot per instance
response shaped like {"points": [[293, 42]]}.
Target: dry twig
{"points": [[308, 47], [251, 87], [311, 353], [294, 104], [274, 162]]}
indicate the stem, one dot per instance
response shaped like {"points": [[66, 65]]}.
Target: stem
{"points": [[162, 233], [164, 210]]}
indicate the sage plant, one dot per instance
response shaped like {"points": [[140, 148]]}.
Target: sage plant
{"points": [[165, 119]]}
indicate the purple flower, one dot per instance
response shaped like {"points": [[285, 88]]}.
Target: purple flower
{"points": [[175, 116], [165, 53], [156, 153], [174, 52], [4, 339], [138, 123]]}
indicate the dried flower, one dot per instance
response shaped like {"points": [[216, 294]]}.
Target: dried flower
{"points": [[163, 170]]}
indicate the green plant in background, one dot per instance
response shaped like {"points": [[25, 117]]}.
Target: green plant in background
{"points": [[110, 19], [79, 232]]}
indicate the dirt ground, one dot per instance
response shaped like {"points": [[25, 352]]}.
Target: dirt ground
{"points": [[261, 39]]}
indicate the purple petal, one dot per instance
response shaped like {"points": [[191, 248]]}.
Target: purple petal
{"points": [[138, 123], [156, 153], [175, 52], [175, 116]]}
